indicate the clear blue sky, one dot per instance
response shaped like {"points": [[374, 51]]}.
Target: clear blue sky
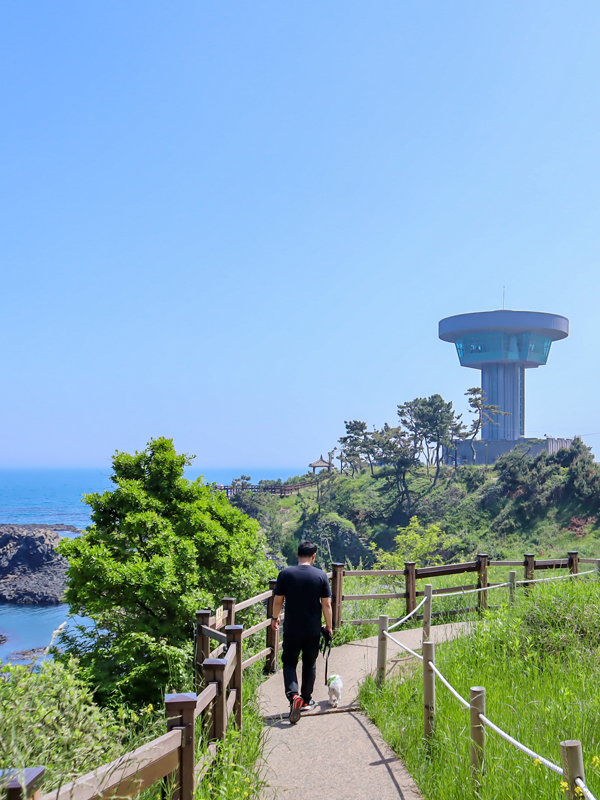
{"points": [[238, 224]]}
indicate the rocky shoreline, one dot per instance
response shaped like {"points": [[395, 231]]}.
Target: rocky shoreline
{"points": [[31, 572]]}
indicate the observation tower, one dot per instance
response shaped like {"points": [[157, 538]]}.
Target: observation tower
{"points": [[503, 344]]}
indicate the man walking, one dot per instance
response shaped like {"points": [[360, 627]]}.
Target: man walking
{"points": [[306, 592]]}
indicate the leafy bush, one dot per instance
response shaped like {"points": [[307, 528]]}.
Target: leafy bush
{"points": [[48, 718], [160, 547]]}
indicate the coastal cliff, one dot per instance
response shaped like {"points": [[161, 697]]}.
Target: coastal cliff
{"points": [[31, 572]]}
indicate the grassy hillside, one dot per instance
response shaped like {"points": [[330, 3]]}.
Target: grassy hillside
{"points": [[546, 505], [538, 661]]}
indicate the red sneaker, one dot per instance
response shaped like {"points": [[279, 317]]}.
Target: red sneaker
{"points": [[296, 708]]}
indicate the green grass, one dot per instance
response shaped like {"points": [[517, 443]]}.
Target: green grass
{"points": [[538, 661], [235, 774]]}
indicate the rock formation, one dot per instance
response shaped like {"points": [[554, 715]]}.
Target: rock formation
{"points": [[30, 569]]}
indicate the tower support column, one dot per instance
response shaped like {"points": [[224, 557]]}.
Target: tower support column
{"points": [[504, 386]]}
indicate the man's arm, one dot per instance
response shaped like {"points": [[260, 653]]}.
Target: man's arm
{"points": [[277, 606], [326, 606]]}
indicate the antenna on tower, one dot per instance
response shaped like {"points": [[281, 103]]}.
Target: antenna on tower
{"points": [[503, 296]]}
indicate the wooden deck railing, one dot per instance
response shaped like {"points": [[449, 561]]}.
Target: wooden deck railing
{"points": [[411, 574], [219, 675], [172, 756]]}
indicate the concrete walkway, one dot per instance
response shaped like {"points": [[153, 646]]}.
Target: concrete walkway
{"points": [[339, 756]]}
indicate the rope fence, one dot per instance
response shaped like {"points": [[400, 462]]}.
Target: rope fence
{"points": [[572, 770]]}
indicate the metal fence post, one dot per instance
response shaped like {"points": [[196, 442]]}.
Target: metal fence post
{"points": [[427, 612], [214, 669], [337, 590], [384, 622], [572, 761], [202, 646], [272, 636], [180, 710], [410, 574], [482, 580], [512, 588], [234, 636], [477, 731], [574, 562], [428, 688]]}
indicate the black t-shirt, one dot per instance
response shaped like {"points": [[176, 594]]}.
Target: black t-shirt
{"points": [[303, 587]]}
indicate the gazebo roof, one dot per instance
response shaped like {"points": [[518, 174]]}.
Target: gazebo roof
{"points": [[320, 463]]}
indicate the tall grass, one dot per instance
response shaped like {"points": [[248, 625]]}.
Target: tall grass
{"points": [[538, 661]]}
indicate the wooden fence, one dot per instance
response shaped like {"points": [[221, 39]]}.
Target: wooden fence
{"points": [[171, 757], [219, 675], [281, 489], [411, 574]]}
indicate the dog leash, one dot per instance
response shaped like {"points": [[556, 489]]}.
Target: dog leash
{"points": [[326, 649]]}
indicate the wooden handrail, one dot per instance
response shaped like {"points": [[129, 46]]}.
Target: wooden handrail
{"points": [[230, 662], [363, 573], [205, 698], [255, 628], [446, 569], [231, 702], [128, 775], [249, 661], [253, 600], [393, 596]]}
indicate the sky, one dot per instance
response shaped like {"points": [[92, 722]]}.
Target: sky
{"points": [[238, 224]]}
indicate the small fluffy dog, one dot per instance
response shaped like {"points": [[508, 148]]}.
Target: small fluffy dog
{"points": [[334, 684]]}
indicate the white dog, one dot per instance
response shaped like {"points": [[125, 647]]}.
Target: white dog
{"points": [[335, 686]]}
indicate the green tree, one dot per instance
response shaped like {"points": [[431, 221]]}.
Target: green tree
{"points": [[159, 547], [432, 424], [414, 543], [482, 413], [396, 451], [356, 445]]}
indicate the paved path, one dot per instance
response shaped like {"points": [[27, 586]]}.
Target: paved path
{"points": [[338, 756]]}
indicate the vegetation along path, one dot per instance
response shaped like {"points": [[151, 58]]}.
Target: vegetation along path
{"points": [[338, 756]]}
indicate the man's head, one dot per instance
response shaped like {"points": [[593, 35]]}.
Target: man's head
{"points": [[307, 552]]}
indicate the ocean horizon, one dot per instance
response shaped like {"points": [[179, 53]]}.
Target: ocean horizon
{"points": [[53, 496]]}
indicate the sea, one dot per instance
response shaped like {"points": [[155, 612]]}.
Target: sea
{"points": [[55, 497]]}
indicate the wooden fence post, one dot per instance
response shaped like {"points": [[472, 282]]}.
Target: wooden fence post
{"points": [[234, 636], [228, 604], [272, 659], [202, 646], [574, 562], [427, 612], [512, 588], [529, 568], [598, 567], [482, 581], [214, 669], [180, 710], [337, 590], [384, 622], [428, 688], [477, 731], [572, 761], [410, 580], [21, 784]]}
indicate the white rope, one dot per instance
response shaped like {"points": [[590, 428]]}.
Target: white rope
{"points": [[559, 577], [448, 686], [473, 591], [408, 616], [404, 647], [584, 789], [520, 746]]}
